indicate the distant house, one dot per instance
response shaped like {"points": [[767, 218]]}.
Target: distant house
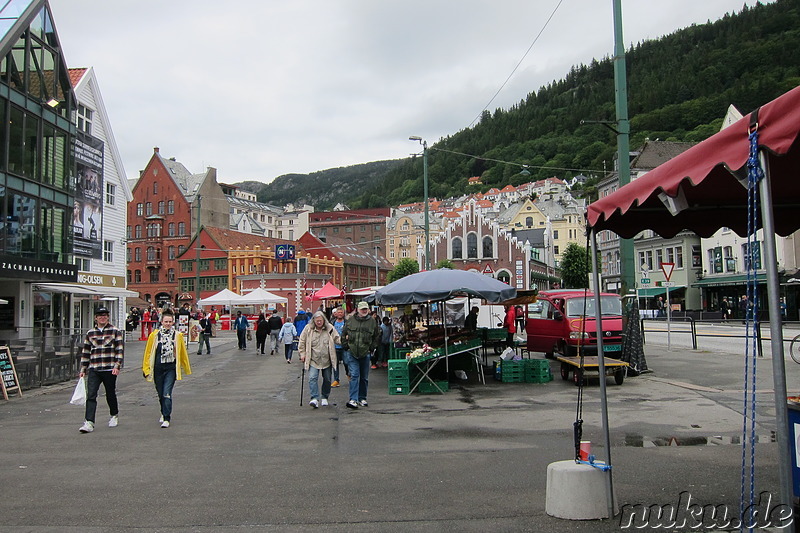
{"points": [[475, 180]]}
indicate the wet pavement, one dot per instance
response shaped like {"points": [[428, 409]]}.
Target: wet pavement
{"points": [[243, 454]]}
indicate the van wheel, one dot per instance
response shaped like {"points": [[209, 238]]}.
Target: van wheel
{"points": [[565, 371], [551, 353]]}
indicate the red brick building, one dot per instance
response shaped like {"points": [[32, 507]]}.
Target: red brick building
{"points": [[162, 219], [362, 226]]}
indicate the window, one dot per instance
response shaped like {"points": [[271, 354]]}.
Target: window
{"points": [[111, 191], [154, 275], [138, 233], [170, 207], [187, 266], [161, 206], [171, 229], [363, 229], [171, 252], [555, 234], [137, 276], [181, 249], [130, 276], [181, 228], [730, 262], [128, 256], [679, 257], [148, 208], [137, 254], [128, 232], [151, 253], [171, 275], [751, 261], [472, 246], [139, 209], [457, 248], [488, 247], [660, 256], [220, 264], [349, 229], [108, 251], [555, 250], [648, 259], [84, 121], [155, 187], [529, 221]]}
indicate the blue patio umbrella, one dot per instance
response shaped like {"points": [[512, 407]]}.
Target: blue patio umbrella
{"points": [[443, 284]]}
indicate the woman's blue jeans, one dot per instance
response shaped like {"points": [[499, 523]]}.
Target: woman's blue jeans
{"points": [[313, 382], [164, 377]]}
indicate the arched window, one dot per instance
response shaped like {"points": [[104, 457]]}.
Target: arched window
{"points": [[488, 247], [504, 276], [151, 253], [529, 222], [472, 246], [457, 248]]}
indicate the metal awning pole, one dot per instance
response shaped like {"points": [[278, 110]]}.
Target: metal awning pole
{"points": [[776, 334], [602, 369]]}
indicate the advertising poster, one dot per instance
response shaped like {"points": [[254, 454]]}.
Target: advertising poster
{"points": [[87, 221]]}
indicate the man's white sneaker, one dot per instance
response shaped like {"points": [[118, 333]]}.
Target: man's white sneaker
{"points": [[352, 404], [161, 419], [314, 403], [165, 424], [87, 427], [363, 403], [324, 402], [113, 421]]}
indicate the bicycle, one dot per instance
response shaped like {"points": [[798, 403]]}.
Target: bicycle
{"points": [[794, 349]]}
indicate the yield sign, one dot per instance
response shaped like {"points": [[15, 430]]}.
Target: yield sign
{"points": [[667, 268], [488, 270]]}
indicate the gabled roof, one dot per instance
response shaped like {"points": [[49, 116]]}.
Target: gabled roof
{"points": [[508, 188], [356, 254], [233, 240], [654, 153], [82, 78]]}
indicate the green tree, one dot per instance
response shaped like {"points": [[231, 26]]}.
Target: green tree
{"points": [[575, 267], [404, 268], [445, 263]]}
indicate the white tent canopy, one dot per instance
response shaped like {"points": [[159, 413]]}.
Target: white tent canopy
{"points": [[260, 297], [223, 297]]}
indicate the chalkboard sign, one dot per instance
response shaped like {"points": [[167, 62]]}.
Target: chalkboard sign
{"points": [[9, 381]]}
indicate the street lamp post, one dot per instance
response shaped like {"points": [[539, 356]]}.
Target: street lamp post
{"points": [[377, 282], [197, 255], [425, 193]]}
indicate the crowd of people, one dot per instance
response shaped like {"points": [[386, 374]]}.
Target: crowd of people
{"points": [[359, 342]]}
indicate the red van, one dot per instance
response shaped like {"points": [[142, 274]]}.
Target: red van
{"points": [[561, 320]]}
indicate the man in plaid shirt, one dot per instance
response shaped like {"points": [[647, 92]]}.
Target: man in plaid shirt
{"points": [[101, 361]]}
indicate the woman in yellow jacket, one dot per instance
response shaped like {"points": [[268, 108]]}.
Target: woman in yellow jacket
{"points": [[165, 360]]}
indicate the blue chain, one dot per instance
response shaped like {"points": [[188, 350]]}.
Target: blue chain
{"points": [[754, 175]]}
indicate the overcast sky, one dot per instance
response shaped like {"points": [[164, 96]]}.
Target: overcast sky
{"points": [[261, 88]]}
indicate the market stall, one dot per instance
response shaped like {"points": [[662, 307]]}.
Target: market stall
{"points": [[432, 337]]}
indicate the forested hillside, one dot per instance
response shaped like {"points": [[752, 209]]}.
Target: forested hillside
{"points": [[679, 88]]}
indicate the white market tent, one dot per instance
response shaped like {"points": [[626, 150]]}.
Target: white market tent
{"points": [[223, 297], [260, 297]]}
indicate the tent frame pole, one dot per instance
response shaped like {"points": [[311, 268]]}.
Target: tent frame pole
{"points": [[776, 335], [602, 369]]}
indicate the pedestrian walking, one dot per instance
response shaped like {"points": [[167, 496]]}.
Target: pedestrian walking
{"points": [[275, 325], [205, 332], [317, 348], [262, 331], [287, 335], [241, 325], [359, 338], [101, 360], [300, 321], [165, 361], [338, 323]]}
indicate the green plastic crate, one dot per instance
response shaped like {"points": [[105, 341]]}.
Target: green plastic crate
{"points": [[399, 389], [539, 379], [426, 387], [512, 378]]}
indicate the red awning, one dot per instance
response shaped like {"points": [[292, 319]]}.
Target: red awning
{"points": [[328, 291], [706, 176]]}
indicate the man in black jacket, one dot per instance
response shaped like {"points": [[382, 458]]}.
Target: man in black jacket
{"points": [[275, 324]]}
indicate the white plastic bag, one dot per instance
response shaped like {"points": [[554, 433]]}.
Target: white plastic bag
{"points": [[79, 396], [508, 354]]}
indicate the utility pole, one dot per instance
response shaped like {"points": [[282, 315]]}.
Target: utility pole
{"points": [[627, 269], [197, 256]]}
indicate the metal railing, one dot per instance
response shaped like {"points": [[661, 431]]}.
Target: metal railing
{"points": [[693, 330], [50, 356]]}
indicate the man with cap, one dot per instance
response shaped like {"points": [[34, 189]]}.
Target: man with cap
{"points": [[101, 361], [359, 338]]}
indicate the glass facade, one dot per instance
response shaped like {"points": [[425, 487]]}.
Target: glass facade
{"points": [[36, 138]]}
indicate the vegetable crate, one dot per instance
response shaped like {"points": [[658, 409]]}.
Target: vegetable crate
{"points": [[400, 373], [429, 388]]}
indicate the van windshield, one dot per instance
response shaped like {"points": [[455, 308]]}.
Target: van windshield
{"points": [[609, 306]]}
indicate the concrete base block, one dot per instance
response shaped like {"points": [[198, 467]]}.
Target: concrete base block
{"points": [[576, 491]]}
